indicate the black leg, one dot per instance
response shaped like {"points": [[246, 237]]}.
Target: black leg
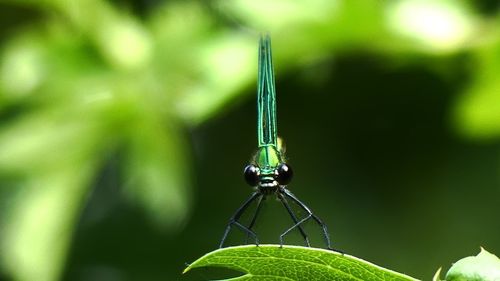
{"points": [[257, 210], [236, 216], [294, 218], [311, 215]]}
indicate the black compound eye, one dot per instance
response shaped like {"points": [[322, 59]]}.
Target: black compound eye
{"points": [[251, 174], [284, 174]]}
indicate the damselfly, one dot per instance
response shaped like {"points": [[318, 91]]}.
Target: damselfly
{"points": [[268, 172]]}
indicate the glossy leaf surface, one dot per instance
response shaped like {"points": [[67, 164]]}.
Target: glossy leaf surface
{"points": [[271, 262]]}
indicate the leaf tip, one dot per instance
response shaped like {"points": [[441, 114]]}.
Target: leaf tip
{"points": [[188, 267], [437, 275]]}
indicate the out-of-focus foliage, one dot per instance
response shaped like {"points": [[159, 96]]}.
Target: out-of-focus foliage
{"points": [[479, 110], [85, 82]]}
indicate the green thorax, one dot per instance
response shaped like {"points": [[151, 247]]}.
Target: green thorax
{"points": [[267, 158], [268, 155]]}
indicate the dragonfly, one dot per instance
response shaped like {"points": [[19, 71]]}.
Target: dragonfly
{"points": [[268, 172]]}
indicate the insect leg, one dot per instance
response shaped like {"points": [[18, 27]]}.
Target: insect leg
{"points": [[294, 218], [316, 218], [254, 218], [236, 216]]}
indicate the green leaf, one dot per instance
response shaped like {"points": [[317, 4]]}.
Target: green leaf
{"points": [[483, 267], [272, 262]]}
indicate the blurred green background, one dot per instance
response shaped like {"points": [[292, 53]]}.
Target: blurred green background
{"points": [[125, 126]]}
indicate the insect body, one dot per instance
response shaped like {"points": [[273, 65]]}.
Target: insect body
{"points": [[268, 170]]}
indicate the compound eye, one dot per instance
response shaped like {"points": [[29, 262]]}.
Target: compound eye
{"points": [[251, 174], [284, 174]]}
